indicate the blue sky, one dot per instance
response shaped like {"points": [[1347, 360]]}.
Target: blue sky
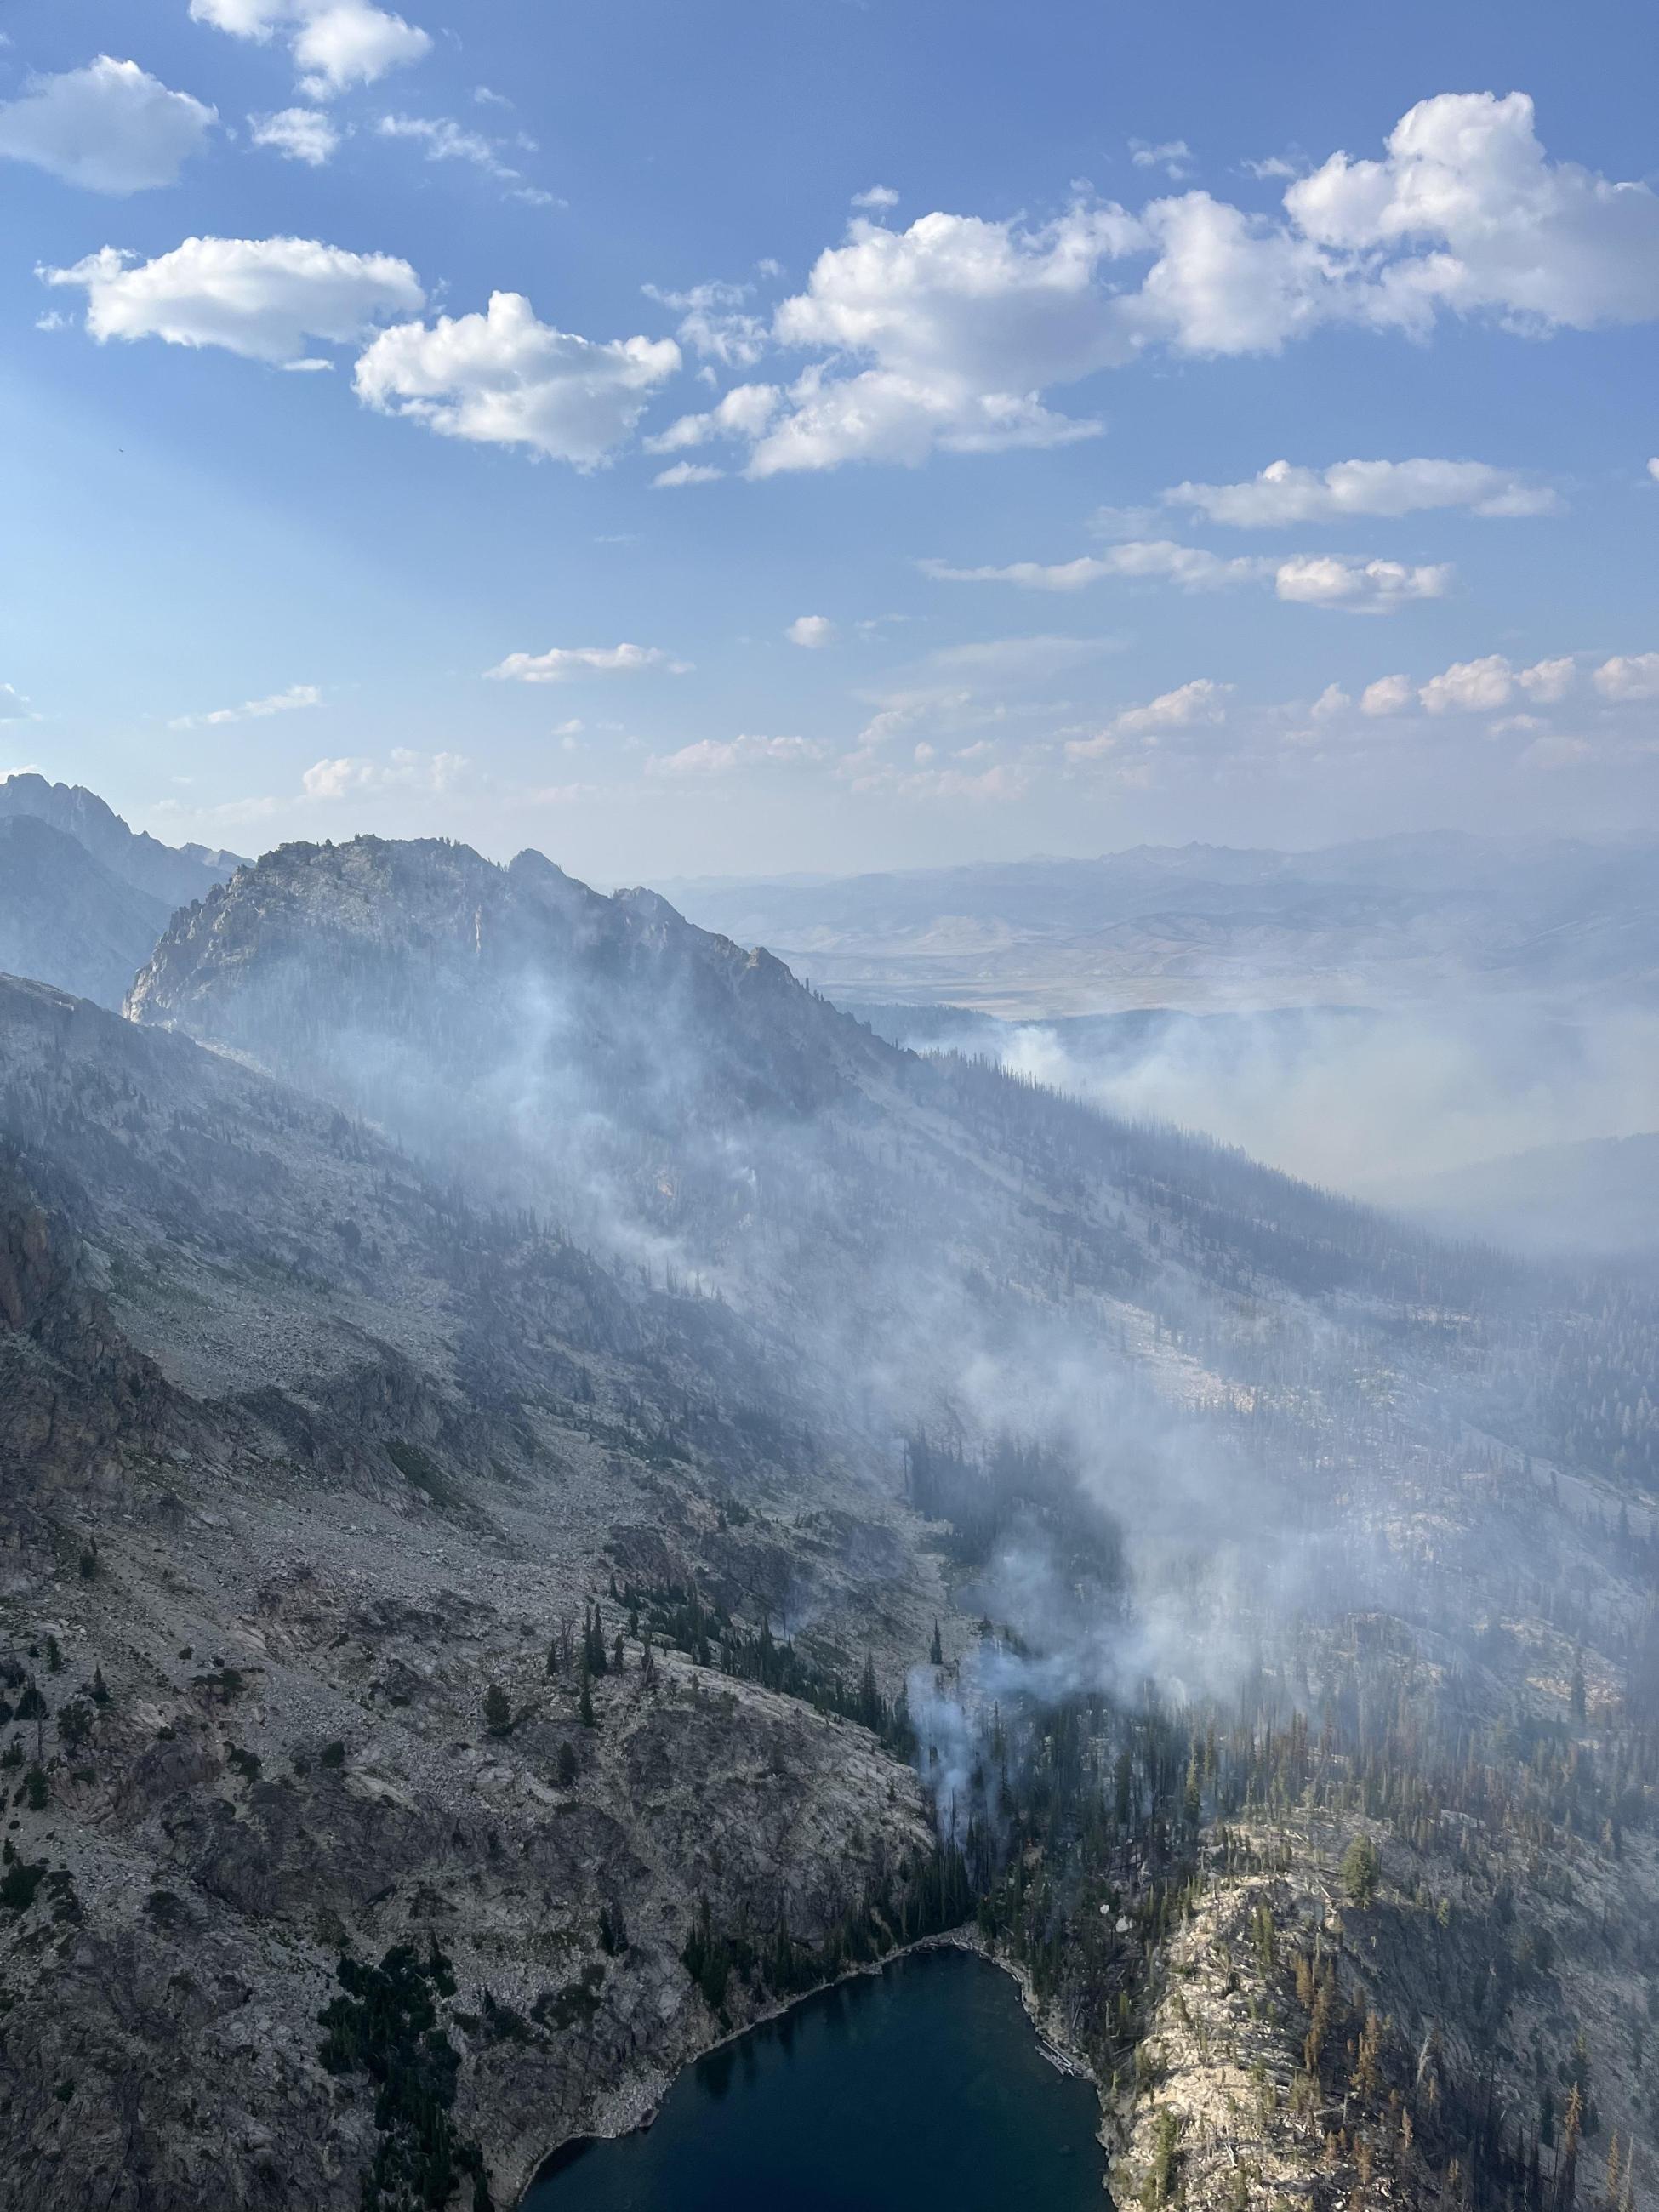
{"points": [[963, 339]]}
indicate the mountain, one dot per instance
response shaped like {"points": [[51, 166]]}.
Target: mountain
{"points": [[1375, 922], [174, 875], [1598, 1197], [307, 1461], [503, 1394], [67, 920]]}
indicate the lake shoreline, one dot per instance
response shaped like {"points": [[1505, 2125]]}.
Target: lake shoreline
{"points": [[634, 2107]]}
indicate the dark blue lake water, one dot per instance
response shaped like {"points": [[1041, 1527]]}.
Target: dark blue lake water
{"points": [[920, 2085]]}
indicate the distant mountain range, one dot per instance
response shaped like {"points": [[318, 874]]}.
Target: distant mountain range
{"points": [[1206, 926], [83, 898]]}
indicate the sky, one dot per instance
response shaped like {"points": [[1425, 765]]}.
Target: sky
{"points": [[787, 436]]}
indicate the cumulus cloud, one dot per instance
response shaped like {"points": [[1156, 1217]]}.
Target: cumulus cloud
{"points": [[1481, 221], [1389, 695], [962, 322], [252, 710], [1473, 687], [299, 134], [401, 770], [1484, 685], [948, 335], [1355, 586], [263, 298], [744, 412], [503, 378], [1283, 494], [564, 664], [1623, 679], [716, 756], [110, 126], [684, 473], [335, 44], [1201, 702], [878, 196], [1548, 682], [1469, 687], [810, 630]]}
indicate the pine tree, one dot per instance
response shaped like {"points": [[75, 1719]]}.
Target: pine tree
{"points": [[1361, 1871], [936, 1650]]}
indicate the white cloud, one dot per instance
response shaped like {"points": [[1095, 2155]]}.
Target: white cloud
{"points": [[947, 335], [714, 323], [1355, 586], [503, 378], [1174, 157], [443, 139], [1474, 687], [1483, 222], [878, 196], [1389, 695], [1548, 682], [335, 44], [1469, 687], [110, 126], [299, 134], [1283, 494], [1186, 566], [1623, 679], [14, 707], [402, 771], [252, 710], [1331, 703], [1200, 703], [962, 322], [262, 297], [563, 664], [743, 413], [810, 630], [1653, 468], [716, 756], [685, 472]]}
